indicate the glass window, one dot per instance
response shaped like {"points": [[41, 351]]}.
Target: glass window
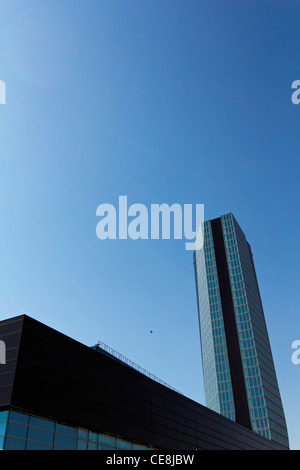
{"points": [[18, 417], [83, 434], [37, 446], [44, 434], [93, 436], [41, 423], [92, 445], [17, 430], [68, 430], [12, 443], [65, 441], [3, 415], [105, 439], [81, 444], [40, 435], [3, 427], [2, 439]]}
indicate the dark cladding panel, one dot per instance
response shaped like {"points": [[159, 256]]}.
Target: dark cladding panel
{"points": [[10, 335]]}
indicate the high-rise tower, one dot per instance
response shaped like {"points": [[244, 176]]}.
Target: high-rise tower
{"points": [[239, 374]]}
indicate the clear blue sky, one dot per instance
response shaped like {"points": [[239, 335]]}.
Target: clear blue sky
{"points": [[163, 101]]}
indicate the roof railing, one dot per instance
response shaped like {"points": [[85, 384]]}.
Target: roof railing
{"points": [[130, 363]]}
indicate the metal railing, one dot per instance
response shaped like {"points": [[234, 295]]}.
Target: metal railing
{"points": [[130, 363]]}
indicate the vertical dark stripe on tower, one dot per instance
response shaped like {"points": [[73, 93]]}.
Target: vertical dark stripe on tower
{"points": [[234, 354]]}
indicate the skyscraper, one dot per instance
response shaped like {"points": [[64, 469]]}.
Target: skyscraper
{"points": [[239, 374]]}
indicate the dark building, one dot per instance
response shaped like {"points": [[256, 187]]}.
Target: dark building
{"points": [[56, 393], [239, 374]]}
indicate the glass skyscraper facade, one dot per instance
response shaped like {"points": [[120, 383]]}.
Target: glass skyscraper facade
{"points": [[239, 374]]}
